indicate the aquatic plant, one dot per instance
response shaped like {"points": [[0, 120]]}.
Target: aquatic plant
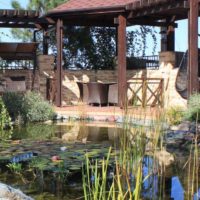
{"points": [[15, 167], [124, 179], [193, 171], [95, 178]]}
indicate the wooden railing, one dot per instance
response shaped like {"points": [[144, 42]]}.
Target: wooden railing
{"points": [[150, 62], [143, 62], [146, 92], [16, 64]]}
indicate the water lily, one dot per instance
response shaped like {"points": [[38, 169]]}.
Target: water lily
{"points": [[55, 158], [63, 148]]}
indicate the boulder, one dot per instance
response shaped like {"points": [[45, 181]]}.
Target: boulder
{"points": [[9, 193], [184, 126], [164, 158]]}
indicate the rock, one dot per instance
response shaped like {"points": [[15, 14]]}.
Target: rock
{"points": [[193, 127], [111, 119], [9, 193], [164, 158], [184, 126], [120, 119]]}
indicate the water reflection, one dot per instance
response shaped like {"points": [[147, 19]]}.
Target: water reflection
{"points": [[90, 133], [177, 191], [153, 186]]}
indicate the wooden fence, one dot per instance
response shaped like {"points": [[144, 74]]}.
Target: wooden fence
{"points": [[146, 92]]}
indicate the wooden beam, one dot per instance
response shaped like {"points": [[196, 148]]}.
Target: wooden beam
{"points": [[122, 91], [59, 37], [16, 25], [193, 82], [150, 22]]}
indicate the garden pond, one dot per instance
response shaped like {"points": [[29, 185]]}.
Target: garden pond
{"points": [[45, 161]]}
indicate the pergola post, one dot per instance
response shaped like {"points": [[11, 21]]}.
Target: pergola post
{"points": [[59, 37], [193, 82], [121, 53], [45, 42], [170, 38], [167, 37]]}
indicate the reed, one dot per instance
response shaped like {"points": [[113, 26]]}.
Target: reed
{"points": [[127, 174]]}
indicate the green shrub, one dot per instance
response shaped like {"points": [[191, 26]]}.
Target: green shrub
{"points": [[31, 107], [175, 115], [13, 103], [35, 109], [193, 111], [5, 122]]}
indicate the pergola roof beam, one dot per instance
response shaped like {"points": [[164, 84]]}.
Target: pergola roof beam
{"points": [[162, 11], [147, 3], [23, 19], [150, 23]]}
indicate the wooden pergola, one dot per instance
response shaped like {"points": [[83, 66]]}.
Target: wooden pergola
{"points": [[29, 19], [123, 13]]}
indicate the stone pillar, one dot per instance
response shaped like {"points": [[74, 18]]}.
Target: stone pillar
{"points": [[167, 63], [45, 65]]}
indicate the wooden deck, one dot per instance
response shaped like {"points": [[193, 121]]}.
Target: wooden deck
{"points": [[107, 113]]}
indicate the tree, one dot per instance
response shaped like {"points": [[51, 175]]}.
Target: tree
{"points": [[89, 47]]}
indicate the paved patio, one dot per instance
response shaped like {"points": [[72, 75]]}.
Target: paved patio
{"points": [[107, 113]]}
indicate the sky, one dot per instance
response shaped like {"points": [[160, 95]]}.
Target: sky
{"points": [[6, 4], [181, 33]]}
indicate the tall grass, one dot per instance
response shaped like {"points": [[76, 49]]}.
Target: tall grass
{"points": [[193, 170], [124, 179]]}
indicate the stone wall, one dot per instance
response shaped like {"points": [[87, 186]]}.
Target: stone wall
{"points": [[8, 74], [45, 65]]}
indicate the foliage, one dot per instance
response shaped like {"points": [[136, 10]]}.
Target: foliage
{"points": [[35, 109], [89, 47], [13, 103], [175, 115], [5, 122], [193, 111]]}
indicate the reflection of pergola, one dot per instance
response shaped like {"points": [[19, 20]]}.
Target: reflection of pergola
{"points": [[123, 13]]}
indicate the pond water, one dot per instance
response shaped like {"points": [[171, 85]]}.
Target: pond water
{"points": [[36, 147]]}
